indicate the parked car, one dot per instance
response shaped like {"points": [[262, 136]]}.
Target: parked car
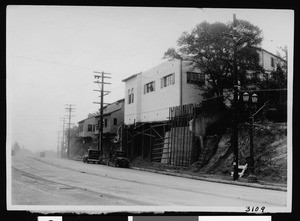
{"points": [[118, 159], [92, 156]]}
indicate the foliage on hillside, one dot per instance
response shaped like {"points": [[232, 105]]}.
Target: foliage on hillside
{"points": [[270, 152]]}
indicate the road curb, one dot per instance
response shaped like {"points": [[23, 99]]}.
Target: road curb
{"points": [[239, 183]]}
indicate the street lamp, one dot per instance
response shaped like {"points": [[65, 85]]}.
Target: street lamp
{"points": [[246, 98]]}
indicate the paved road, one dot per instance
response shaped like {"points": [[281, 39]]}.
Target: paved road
{"points": [[46, 181]]}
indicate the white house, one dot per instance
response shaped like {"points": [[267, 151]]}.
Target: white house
{"points": [[149, 94], [269, 61]]}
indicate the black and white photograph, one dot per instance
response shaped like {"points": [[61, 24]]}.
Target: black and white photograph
{"points": [[149, 109]]}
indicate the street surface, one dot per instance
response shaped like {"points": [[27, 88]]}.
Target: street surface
{"points": [[49, 181]]}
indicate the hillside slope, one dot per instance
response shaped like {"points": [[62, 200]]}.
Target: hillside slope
{"points": [[270, 153]]}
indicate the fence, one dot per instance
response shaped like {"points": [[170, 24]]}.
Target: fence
{"points": [[174, 146]]}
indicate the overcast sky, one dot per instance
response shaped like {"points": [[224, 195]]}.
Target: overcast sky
{"points": [[52, 52]]}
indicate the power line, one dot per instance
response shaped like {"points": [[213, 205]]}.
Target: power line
{"points": [[51, 62]]}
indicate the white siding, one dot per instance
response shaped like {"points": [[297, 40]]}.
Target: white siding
{"points": [[154, 106], [265, 60], [130, 112]]}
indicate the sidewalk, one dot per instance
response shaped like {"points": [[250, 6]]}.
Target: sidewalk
{"points": [[216, 178]]}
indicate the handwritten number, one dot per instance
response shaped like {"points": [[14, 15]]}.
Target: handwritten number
{"points": [[255, 209]]}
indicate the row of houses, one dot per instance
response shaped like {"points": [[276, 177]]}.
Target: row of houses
{"points": [[150, 94]]}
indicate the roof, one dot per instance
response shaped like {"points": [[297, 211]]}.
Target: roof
{"points": [[109, 113], [132, 76], [85, 119], [105, 114]]}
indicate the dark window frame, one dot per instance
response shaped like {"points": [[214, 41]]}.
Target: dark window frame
{"points": [[149, 87], [272, 62], [195, 78]]}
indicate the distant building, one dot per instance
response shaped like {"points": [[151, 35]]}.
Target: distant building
{"points": [[113, 117], [270, 61], [149, 94], [87, 128]]}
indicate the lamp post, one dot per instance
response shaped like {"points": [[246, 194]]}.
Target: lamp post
{"points": [[235, 101], [252, 177]]}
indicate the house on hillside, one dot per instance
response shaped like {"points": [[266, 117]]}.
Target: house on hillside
{"points": [[160, 107], [149, 98], [113, 117], [150, 94], [269, 61], [87, 128]]}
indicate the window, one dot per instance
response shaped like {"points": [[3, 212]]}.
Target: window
{"points": [[94, 127], [80, 127], [115, 121], [130, 96], [195, 78], [149, 87], [272, 62], [168, 80], [105, 122], [90, 127]]}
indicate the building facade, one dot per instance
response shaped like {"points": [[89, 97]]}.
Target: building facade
{"points": [[113, 117], [150, 94], [270, 61]]}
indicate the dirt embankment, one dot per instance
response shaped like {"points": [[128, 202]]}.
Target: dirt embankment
{"points": [[270, 152]]}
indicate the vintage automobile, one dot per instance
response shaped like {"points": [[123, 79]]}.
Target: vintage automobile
{"points": [[92, 156], [118, 159]]}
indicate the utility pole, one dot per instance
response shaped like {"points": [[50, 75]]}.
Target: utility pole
{"points": [[57, 150], [63, 139], [70, 110], [235, 109], [103, 93]]}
